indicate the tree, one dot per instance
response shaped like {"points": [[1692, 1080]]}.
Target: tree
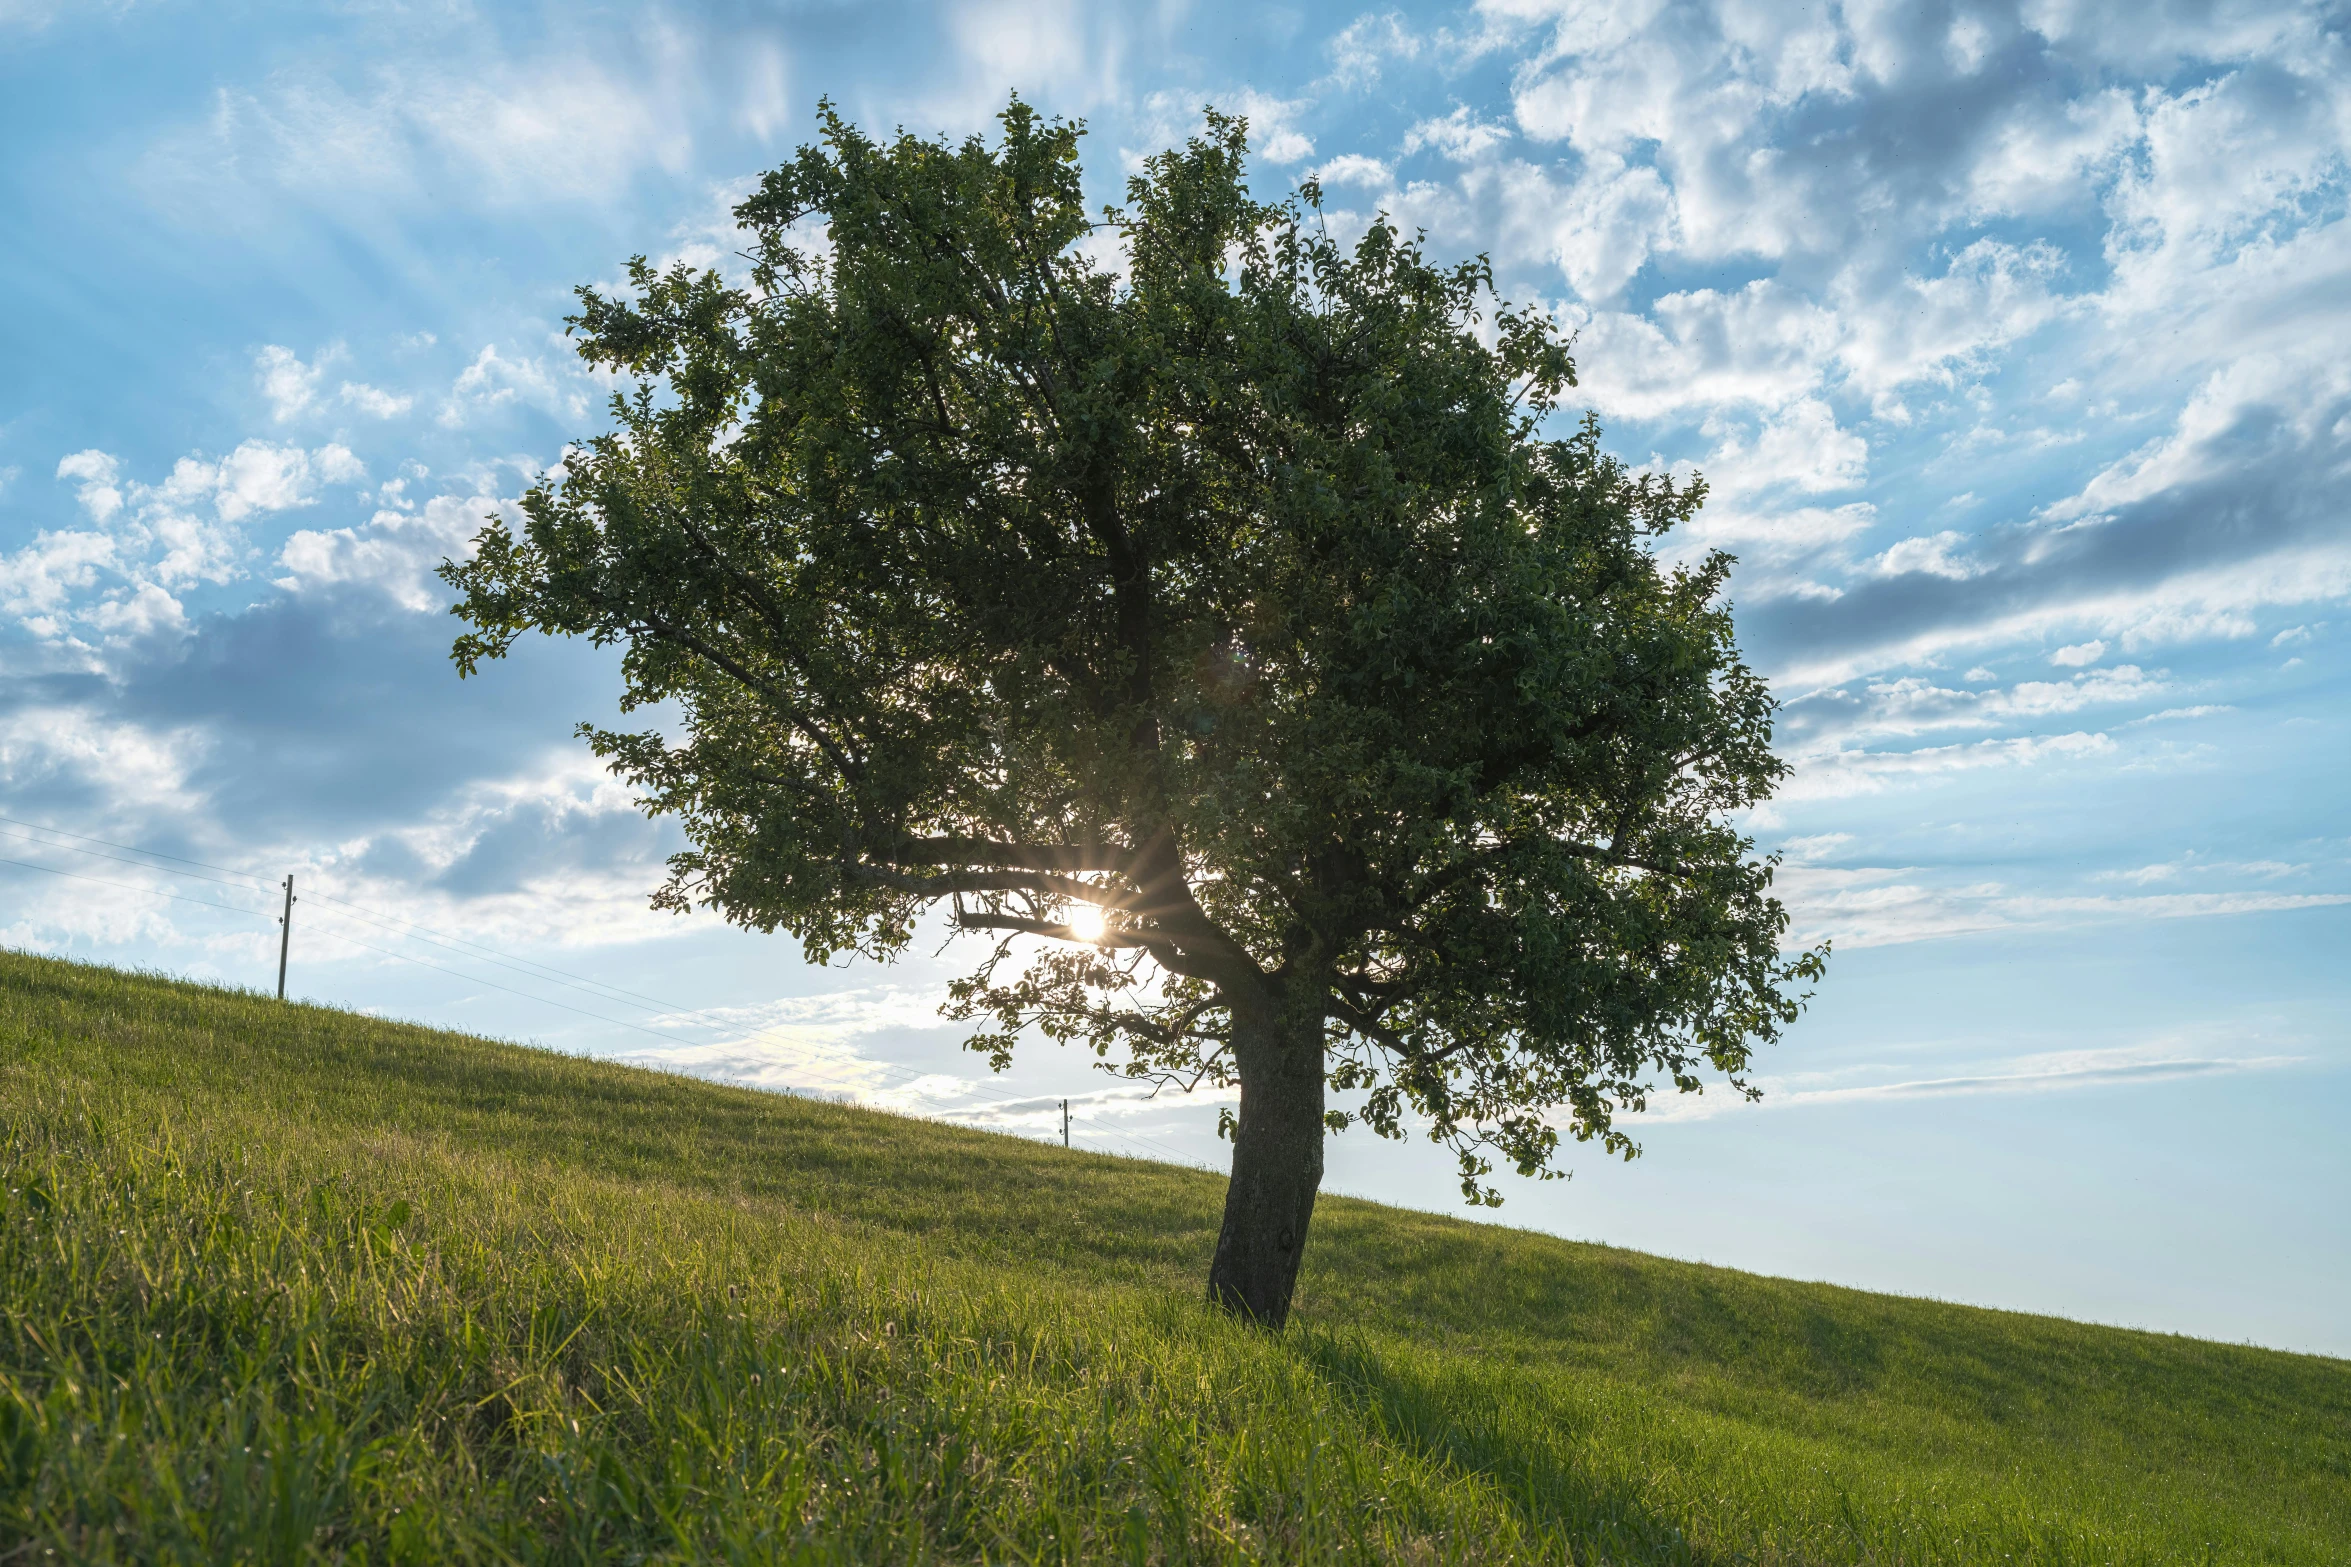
{"points": [[1194, 606]]}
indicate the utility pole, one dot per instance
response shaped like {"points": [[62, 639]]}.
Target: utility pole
{"points": [[1065, 1123], [285, 936]]}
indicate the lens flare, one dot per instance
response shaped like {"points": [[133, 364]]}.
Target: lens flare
{"points": [[1085, 922]]}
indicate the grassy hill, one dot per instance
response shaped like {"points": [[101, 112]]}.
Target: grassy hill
{"points": [[280, 1283]]}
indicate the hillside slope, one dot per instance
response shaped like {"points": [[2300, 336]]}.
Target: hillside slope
{"points": [[282, 1283]]}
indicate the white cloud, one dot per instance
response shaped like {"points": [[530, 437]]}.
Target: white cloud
{"points": [[1911, 705], [1798, 448], [1938, 328], [2202, 710], [339, 465], [290, 385], [1601, 230], [557, 125], [143, 611], [374, 401], [292, 388], [37, 580], [2078, 654], [2214, 602], [1274, 134], [1361, 50], [257, 476], [1036, 42], [94, 473], [1842, 773], [1354, 169], [1876, 906], [1778, 534], [495, 382], [2303, 393], [1459, 135], [1933, 555], [822, 1045], [1763, 345], [766, 106], [117, 581], [2195, 865], [125, 769], [2063, 1071], [395, 551]]}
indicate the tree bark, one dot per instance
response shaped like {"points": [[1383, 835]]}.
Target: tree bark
{"points": [[1277, 1165]]}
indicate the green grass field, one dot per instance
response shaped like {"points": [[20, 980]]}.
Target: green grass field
{"points": [[279, 1283]]}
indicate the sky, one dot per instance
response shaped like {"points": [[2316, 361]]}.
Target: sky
{"points": [[2010, 339]]}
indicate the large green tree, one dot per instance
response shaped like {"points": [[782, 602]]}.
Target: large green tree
{"points": [[1197, 608]]}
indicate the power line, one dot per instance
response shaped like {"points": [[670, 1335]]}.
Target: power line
{"points": [[545, 1001], [153, 892], [134, 849], [524, 966], [804, 1067], [449, 939], [417, 931], [119, 860]]}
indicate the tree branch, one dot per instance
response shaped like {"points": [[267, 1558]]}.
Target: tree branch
{"points": [[1067, 857], [1164, 950], [948, 883], [789, 711]]}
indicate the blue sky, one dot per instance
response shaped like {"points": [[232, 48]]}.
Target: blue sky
{"points": [[2010, 338]]}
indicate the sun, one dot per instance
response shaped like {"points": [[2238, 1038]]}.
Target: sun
{"points": [[1085, 922]]}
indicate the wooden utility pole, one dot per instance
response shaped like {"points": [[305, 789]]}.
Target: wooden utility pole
{"points": [[1065, 1123], [285, 936]]}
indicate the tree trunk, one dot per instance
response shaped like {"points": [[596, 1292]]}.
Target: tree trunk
{"points": [[1277, 1166]]}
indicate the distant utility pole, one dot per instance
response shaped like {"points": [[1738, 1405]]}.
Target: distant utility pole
{"points": [[285, 936], [1064, 1120]]}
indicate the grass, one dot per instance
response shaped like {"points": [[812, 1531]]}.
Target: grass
{"points": [[280, 1283]]}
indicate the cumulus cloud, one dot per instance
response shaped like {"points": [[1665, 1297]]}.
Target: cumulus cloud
{"points": [[1355, 169], [294, 389], [394, 552], [290, 385], [494, 382], [135, 770], [38, 579], [1459, 135], [117, 580], [1923, 205]]}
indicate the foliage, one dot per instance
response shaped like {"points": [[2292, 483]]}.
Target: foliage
{"points": [[285, 1284], [1191, 569]]}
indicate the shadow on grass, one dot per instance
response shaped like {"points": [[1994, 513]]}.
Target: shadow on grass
{"points": [[1523, 1452]]}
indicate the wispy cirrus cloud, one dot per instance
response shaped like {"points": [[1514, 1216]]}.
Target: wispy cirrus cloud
{"points": [[1859, 906], [2077, 1071]]}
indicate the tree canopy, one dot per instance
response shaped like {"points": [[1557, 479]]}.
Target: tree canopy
{"points": [[1205, 612]]}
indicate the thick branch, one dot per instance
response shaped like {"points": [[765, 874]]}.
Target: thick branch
{"points": [[1370, 1027], [1473, 864], [1167, 952]]}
